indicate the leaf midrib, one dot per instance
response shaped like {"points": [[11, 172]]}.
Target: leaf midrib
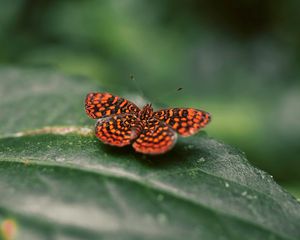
{"points": [[35, 132]]}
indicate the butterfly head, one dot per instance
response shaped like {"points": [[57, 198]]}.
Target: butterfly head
{"points": [[146, 112]]}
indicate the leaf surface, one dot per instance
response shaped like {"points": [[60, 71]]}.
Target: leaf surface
{"points": [[60, 182]]}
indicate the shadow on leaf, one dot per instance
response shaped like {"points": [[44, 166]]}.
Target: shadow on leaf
{"points": [[183, 150]]}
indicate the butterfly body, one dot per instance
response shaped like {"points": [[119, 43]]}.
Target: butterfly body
{"points": [[146, 112], [121, 122]]}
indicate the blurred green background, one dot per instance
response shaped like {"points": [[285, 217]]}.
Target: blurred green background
{"points": [[238, 59]]}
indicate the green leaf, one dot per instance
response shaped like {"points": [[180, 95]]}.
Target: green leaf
{"points": [[60, 182], [32, 99]]}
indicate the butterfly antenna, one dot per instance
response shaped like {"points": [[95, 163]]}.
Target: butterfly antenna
{"points": [[161, 101], [137, 86]]}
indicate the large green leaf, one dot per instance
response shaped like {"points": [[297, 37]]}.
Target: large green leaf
{"points": [[60, 182]]}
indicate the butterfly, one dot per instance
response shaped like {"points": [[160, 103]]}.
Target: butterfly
{"points": [[120, 123]]}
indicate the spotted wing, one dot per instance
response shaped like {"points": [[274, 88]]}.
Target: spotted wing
{"points": [[98, 105], [185, 121], [118, 130], [156, 138]]}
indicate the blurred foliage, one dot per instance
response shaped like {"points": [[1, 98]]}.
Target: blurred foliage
{"points": [[238, 60]]}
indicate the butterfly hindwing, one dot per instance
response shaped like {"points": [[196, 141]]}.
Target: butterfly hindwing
{"points": [[156, 138], [118, 130], [99, 105], [185, 121]]}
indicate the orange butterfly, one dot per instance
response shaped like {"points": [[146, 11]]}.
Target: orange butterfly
{"points": [[121, 122]]}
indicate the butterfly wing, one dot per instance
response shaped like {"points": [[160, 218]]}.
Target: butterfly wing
{"points": [[185, 121], [118, 130], [99, 105], [156, 138]]}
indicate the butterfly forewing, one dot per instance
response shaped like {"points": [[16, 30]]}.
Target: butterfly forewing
{"points": [[118, 130], [156, 138], [99, 105], [185, 121]]}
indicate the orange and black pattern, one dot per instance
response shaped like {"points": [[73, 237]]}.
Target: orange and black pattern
{"points": [[121, 123], [185, 121], [98, 105], [156, 138], [118, 130]]}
